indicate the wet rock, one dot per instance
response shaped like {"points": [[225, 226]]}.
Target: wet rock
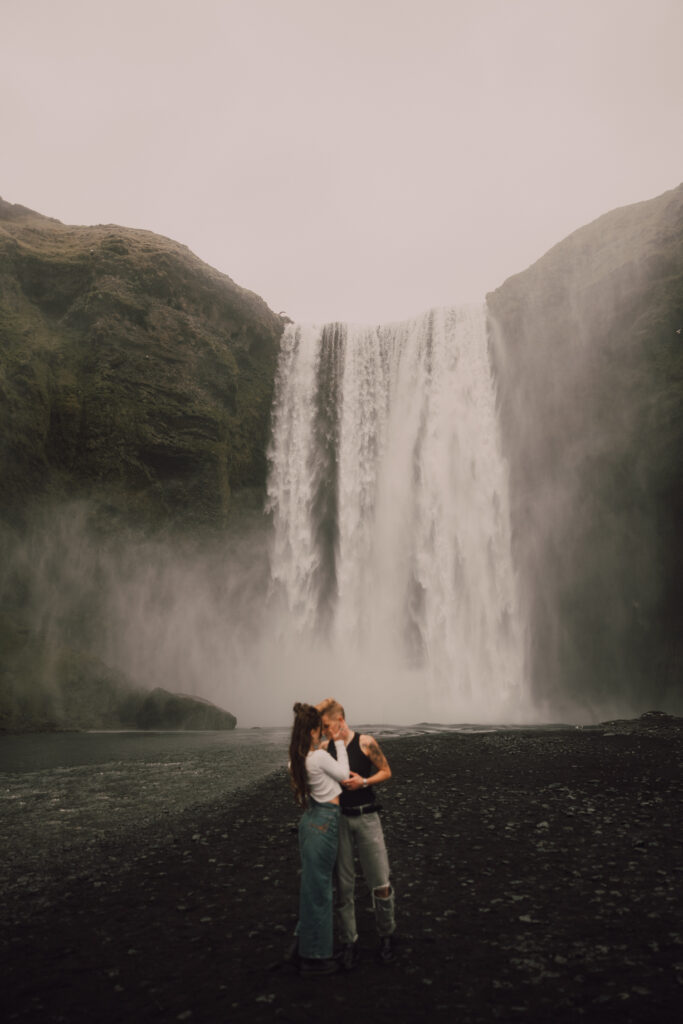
{"points": [[566, 959]]}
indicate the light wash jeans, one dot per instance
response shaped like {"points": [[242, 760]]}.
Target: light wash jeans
{"points": [[318, 840], [365, 833]]}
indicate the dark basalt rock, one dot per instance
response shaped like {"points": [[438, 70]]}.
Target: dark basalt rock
{"points": [[537, 879], [46, 690], [163, 710], [656, 723]]}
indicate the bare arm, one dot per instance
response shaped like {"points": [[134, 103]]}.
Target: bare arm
{"points": [[339, 768], [371, 749]]}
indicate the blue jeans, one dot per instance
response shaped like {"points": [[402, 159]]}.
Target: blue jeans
{"points": [[318, 837]]}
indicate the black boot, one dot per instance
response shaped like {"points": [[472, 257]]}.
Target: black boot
{"points": [[348, 955], [386, 953]]}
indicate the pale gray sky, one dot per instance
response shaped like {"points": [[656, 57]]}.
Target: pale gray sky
{"points": [[358, 160]]}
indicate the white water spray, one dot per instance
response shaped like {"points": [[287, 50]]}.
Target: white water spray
{"points": [[391, 553]]}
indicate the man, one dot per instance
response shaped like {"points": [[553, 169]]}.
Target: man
{"points": [[360, 829]]}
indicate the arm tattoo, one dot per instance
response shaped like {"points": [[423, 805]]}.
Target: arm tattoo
{"points": [[373, 751]]}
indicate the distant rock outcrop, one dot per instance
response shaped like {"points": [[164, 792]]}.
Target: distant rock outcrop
{"points": [[589, 363], [163, 710], [45, 689]]}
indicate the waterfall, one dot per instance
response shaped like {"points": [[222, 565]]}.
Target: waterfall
{"points": [[391, 555]]}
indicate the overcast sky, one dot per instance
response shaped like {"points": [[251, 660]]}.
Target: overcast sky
{"points": [[358, 160]]}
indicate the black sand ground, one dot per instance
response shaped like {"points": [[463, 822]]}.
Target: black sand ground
{"points": [[538, 878]]}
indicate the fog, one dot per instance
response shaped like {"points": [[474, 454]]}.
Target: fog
{"points": [[195, 618], [442, 542], [167, 612], [363, 161], [586, 399], [240, 619]]}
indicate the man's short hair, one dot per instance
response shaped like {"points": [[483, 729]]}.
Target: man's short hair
{"points": [[331, 707]]}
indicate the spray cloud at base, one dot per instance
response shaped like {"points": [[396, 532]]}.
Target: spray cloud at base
{"points": [[385, 569], [440, 541], [382, 574], [391, 529]]}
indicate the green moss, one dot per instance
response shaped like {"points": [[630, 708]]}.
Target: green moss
{"points": [[127, 362]]}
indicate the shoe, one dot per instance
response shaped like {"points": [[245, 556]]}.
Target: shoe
{"points": [[386, 953], [348, 955], [319, 965]]}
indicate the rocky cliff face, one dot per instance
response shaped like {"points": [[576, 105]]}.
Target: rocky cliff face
{"points": [[589, 364], [130, 373], [135, 392]]}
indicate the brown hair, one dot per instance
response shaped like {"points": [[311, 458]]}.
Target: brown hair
{"points": [[331, 707], [306, 717]]}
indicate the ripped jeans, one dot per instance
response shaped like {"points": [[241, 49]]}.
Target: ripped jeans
{"points": [[365, 833], [318, 838]]}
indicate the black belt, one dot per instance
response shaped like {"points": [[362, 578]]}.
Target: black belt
{"points": [[353, 812]]}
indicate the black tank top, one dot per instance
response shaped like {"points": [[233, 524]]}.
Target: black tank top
{"points": [[358, 762]]}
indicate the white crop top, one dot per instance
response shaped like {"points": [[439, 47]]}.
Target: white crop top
{"points": [[324, 773]]}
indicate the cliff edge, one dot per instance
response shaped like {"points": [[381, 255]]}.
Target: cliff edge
{"points": [[131, 373], [588, 352]]}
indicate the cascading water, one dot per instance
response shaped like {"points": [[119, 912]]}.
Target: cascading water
{"points": [[391, 552]]}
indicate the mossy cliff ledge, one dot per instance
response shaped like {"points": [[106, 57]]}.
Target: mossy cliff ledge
{"points": [[135, 391], [588, 354], [131, 374]]}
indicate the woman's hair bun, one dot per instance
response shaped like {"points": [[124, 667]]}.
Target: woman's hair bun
{"points": [[298, 707]]}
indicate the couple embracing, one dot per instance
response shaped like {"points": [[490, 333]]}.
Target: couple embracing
{"points": [[333, 771]]}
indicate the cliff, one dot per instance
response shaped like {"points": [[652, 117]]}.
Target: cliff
{"points": [[131, 373], [135, 392], [589, 362]]}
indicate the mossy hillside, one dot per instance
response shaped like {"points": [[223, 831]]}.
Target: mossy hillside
{"points": [[130, 372], [136, 384]]}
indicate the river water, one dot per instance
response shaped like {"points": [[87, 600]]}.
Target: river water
{"points": [[63, 793], [252, 750]]}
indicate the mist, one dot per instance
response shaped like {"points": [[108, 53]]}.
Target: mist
{"points": [[185, 615], [380, 574], [196, 617], [472, 516], [586, 379]]}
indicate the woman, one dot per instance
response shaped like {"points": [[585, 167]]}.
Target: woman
{"points": [[315, 777]]}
